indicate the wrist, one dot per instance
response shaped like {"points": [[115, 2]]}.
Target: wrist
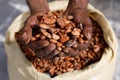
{"points": [[82, 4], [37, 5]]}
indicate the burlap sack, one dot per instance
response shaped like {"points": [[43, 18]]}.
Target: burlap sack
{"points": [[19, 68]]}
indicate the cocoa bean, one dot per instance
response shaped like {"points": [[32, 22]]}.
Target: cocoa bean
{"points": [[53, 41], [59, 44], [55, 37], [44, 26], [33, 39], [61, 23], [75, 32], [68, 28], [42, 37], [44, 32], [70, 69], [52, 70], [37, 36], [49, 21], [64, 39], [59, 48]]}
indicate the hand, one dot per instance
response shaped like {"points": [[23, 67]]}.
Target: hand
{"points": [[78, 9], [38, 8]]}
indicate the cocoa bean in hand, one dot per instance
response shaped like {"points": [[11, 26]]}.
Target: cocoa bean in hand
{"points": [[79, 13], [44, 32], [75, 32], [49, 21], [73, 54], [61, 23], [44, 26], [64, 39], [25, 34], [55, 37]]}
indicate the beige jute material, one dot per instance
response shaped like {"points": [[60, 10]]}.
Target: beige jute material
{"points": [[19, 68]]}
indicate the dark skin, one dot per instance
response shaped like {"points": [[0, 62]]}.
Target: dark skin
{"points": [[76, 8], [24, 35]]}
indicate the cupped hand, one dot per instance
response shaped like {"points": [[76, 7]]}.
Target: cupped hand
{"points": [[38, 8], [78, 9]]}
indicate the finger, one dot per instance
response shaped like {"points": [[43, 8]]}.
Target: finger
{"points": [[78, 15], [87, 31], [32, 20], [38, 5], [38, 44], [26, 31], [62, 54], [24, 35], [52, 54], [69, 7], [41, 53], [71, 51], [47, 50], [81, 46]]}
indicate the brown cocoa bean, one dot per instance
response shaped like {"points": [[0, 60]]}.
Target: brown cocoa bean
{"points": [[33, 39], [70, 69], [64, 39], [37, 36], [68, 28], [96, 48], [42, 37], [44, 32], [75, 32], [53, 41], [59, 48], [61, 23], [52, 70], [59, 44], [51, 30], [44, 26], [55, 37], [49, 21]]}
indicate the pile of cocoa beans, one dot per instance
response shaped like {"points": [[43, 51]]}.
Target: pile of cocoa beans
{"points": [[58, 39]]}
